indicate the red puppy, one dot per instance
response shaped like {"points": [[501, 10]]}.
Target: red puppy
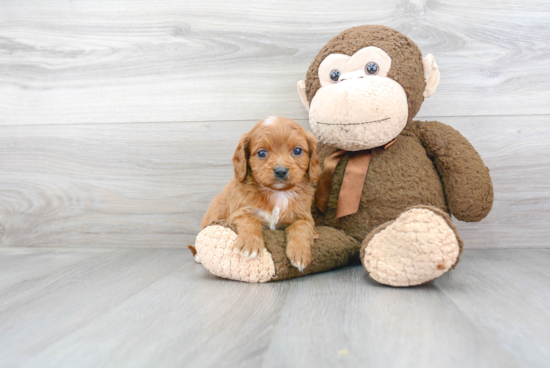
{"points": [[276, 164]]}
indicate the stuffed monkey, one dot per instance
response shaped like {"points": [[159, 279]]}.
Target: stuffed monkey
{"points": [[388, 183]]}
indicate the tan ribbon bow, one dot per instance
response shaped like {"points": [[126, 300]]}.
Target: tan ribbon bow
{"points": [[352, 184]]}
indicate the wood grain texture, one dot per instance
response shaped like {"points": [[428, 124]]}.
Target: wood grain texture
{"points": [[144, 308], [148, 185], [83, 61], [23, 266], [112, 185], [60, 301], [140, 309], [377, 326], [506, 295], [516, 151]]}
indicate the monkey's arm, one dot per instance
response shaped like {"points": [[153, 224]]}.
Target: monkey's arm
{"points": [[466, 181]]}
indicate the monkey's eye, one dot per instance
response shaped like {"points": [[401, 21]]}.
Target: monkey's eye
{"points": [[334, 75], [298, 151], [371, 68], [262, 154]]}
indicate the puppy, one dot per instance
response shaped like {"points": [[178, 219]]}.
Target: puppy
{"points": [[276, 164]]}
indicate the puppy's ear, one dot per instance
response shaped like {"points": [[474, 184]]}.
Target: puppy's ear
{"points": [[240, 158], [314, 169]]}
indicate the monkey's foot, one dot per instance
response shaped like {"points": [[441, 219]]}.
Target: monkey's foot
{"points": [[419, 246], [215, 247]]}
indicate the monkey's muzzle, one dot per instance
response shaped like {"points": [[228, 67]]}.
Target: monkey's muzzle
{"points": [[358, 114]]}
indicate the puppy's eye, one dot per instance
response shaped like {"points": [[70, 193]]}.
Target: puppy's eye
{"points": [[298, 151], [334, 75], [262, 154]]}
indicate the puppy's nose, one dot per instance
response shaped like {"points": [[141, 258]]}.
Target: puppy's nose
{"points": [[281, 172]]}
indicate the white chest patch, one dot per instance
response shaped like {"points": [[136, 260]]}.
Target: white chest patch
{"points": [[269, 218], [280, 201], [274, 218]]}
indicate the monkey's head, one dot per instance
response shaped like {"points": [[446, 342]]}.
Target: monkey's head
{"points": [[365, 85]]}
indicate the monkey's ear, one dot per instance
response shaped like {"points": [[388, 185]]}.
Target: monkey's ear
{"points": [[431, 75], [314, 169], [302, 93], [240, 158]]}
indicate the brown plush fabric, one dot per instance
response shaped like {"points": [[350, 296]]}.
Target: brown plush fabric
{"points": [[332, 249], [399, 177], [404, 175], [406, 69], [466, 179], [224, 224]]}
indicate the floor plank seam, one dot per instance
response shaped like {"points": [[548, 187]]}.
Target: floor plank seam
{"points": [[91, 319], [480, 330], [276, 326], [252, 120], [68, 267]]}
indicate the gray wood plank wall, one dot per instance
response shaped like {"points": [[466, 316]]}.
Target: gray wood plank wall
{"points": [[118, 118]]}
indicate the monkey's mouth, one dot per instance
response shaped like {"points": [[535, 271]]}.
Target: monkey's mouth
{"points": [[366, 122]]}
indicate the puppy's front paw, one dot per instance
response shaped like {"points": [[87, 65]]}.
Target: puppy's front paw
{"points": [[299, 254], [249, 246]]}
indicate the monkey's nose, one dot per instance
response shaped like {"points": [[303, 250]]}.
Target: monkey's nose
{"points": [[281, 172], [351, 75]]}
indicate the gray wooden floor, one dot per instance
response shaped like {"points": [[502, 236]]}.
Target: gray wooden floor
{"points": [[157, 308]]}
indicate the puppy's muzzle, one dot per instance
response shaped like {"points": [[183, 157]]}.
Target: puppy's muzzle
{"points": [[281, 172]]}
